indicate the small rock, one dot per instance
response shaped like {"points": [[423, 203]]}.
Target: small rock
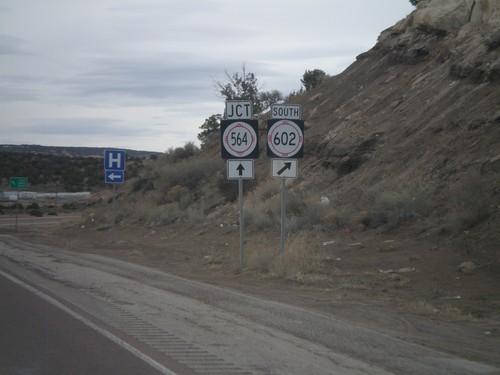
{"points": [[467, 267], [406, 270], [386, 271]]}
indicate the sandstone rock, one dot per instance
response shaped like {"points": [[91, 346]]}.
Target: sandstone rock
{"points": [[448, 15], [451, 15], [467, 267]]}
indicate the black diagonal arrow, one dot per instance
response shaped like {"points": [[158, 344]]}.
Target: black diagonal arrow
{"points": [[288, 165], [240, 169]]}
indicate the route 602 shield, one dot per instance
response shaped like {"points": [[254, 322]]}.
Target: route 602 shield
{"points": [[285, 138]]}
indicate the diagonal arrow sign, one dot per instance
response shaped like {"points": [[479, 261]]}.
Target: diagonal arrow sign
{"points": [[288, 165], [240, 169]]}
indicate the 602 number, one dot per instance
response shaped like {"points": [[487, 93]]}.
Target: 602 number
{"points": [[285, 139]]}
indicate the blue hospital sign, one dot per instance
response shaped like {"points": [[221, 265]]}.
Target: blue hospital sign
{"points": [[114, 160]]}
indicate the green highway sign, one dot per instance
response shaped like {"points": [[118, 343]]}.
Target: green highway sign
{"points": [[18, 182]]}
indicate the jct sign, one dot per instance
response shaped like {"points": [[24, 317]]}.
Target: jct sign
{"points": [[239, 109]]}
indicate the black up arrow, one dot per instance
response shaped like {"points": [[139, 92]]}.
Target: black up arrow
{"points": [[288, 165], [240, 169]]}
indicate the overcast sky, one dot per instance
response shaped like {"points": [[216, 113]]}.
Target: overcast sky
{"points": [[139, 74]]}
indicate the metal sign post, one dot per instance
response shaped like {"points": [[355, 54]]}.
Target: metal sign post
{"points": [[283, 217], [240, 169], [114, 215], [17, 208], [283, 169], [239, 136], [114, 173], [18, 183], [285, 139], [242, 224]]}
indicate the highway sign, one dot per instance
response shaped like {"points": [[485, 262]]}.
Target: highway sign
{"points": [[286, 111], [114, 160], [285, 138], [240, 169], [238, 110], [18, 183], [284, 168], [239, 139], [114, 177]]}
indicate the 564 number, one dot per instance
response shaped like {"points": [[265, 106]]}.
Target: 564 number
{"points": [[238, 139]]}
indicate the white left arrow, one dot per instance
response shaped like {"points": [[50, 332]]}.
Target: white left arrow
{"points": [[112, 176]]}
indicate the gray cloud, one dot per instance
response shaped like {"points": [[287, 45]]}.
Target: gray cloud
{"points": [[13, 46], [140, 72], [172, 76], [73, 126]]}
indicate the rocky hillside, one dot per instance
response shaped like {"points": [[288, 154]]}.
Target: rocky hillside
{"points": [[405, 141], [417, 115]]}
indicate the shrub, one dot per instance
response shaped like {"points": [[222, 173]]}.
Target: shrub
{"points": [[302, 209], [178, 194], [33, 206], [228, 189], [471, 202], [391, 208], [300, 259], [262, 214], [299, 263], [188, 173], [312, 78]]}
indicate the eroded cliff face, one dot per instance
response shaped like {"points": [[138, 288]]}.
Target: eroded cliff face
{"points": [[421, 108], [453, 15], [464, 32]]}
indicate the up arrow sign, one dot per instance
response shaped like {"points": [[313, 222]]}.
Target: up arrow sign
{"points": [[239, 169]]}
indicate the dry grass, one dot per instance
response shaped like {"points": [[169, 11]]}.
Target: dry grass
{"points": [[301, 261], [303, 210], [471, 201], [423, 307], [394, 206]]}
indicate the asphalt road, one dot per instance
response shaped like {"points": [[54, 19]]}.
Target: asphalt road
{"points": [[9, 223], [36, 337], [179, 326]]}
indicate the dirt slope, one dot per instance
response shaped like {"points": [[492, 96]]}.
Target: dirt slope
{"points": [[420, 113]]}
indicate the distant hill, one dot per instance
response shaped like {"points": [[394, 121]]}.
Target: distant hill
{"points": [[72, 151], [68, 169]]}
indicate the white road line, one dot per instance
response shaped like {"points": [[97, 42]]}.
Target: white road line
{"points": [[142, 356]]}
